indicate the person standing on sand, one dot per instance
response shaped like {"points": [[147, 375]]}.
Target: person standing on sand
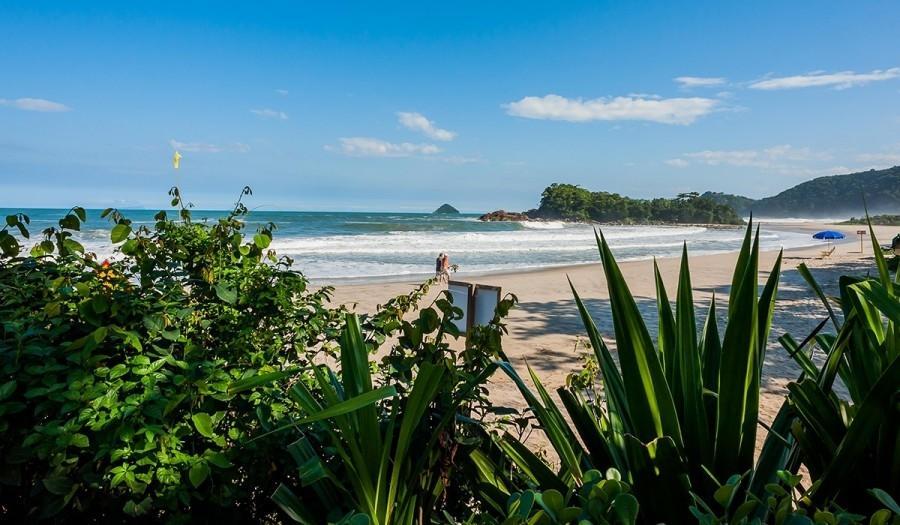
{"points": [[445, 267], [439, 267]]}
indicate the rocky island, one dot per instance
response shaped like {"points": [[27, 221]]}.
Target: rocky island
{"points": [[504, 216], [445, 209]]}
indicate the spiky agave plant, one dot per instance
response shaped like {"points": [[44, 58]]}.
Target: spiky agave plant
{"points": [[851, 446], [676, 419], [376, 455]]}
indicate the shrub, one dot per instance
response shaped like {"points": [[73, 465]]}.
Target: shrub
{"points": [[381, 447], [114, 375]]}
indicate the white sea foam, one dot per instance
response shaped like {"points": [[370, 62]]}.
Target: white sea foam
{"points": [[543, 225], [361, 246]]}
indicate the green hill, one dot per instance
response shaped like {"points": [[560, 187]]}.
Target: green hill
{"points": [[574, 203], [832, 196]]}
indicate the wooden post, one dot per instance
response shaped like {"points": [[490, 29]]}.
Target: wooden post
{"points": [[861, 234]]}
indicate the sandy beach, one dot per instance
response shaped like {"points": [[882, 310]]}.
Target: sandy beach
{"points": [[545, 329]]}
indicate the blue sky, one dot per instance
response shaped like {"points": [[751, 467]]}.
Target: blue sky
{"points": [[369, 106]]}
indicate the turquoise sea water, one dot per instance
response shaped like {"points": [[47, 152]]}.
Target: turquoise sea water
{"points": [[354, 246]]}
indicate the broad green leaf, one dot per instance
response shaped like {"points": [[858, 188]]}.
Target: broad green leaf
{"points": [[59, 485], [262, 241], [6, 389], [119, 233], [203, 423], [198, 473], [226, 293]]}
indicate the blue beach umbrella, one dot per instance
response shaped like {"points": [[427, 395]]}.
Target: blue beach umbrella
{"points": [[828, 235]]}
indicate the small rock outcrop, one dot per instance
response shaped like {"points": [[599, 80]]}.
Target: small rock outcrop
{"points": [[503, 215], [446, 209]]}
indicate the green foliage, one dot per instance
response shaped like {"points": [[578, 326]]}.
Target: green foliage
{"points": [[168, 383], [830, 196], [570, 202], [391, 459], [784, 502], [743, 206], [599, 500], [883, 220], [851, 446], [672, 417], [114, 375]]}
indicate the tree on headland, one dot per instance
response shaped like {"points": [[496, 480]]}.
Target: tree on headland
{"points": [[572, 202]]}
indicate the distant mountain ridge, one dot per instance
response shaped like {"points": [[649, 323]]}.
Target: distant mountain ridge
{"points": [[822, 197]]}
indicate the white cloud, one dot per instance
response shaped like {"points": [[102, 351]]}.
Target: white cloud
{"points": [[839, 80], [282, 92], [35, 104], [773, 157], [372, 147], [891, 158], [418, 122], [732, 158], [663, 110], [458, 159], [204, 147], [270, 113], [678, 163], [692, 82]]}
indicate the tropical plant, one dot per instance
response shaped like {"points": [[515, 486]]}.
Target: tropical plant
{"points": [[115, 375], [386, 454], [600, 500], [785, 502], [674, 418], [850, 443]]}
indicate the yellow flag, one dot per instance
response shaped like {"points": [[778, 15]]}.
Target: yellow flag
{"points": [[176, 160]]}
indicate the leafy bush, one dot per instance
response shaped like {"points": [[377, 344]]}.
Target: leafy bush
{"points": [[386, 454], [114, 375]]}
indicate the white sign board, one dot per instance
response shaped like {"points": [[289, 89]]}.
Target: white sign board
{"points": [[485, 304], [460, 293]]}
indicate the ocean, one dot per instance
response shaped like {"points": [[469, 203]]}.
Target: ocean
{"points": [[361, 247]]}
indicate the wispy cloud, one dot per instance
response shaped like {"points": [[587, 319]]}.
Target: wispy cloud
{"points": [[270, 114], [35, 104], [418, 122], [205, 147], [372, 147], [839, 80], [632, 107], [457, 159], [678, 163], [889, 157], [282, 92], [696, 82], [784, 159]]}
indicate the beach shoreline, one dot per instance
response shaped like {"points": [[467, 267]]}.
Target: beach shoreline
{"points": [[546, 332], [787, 227]]}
